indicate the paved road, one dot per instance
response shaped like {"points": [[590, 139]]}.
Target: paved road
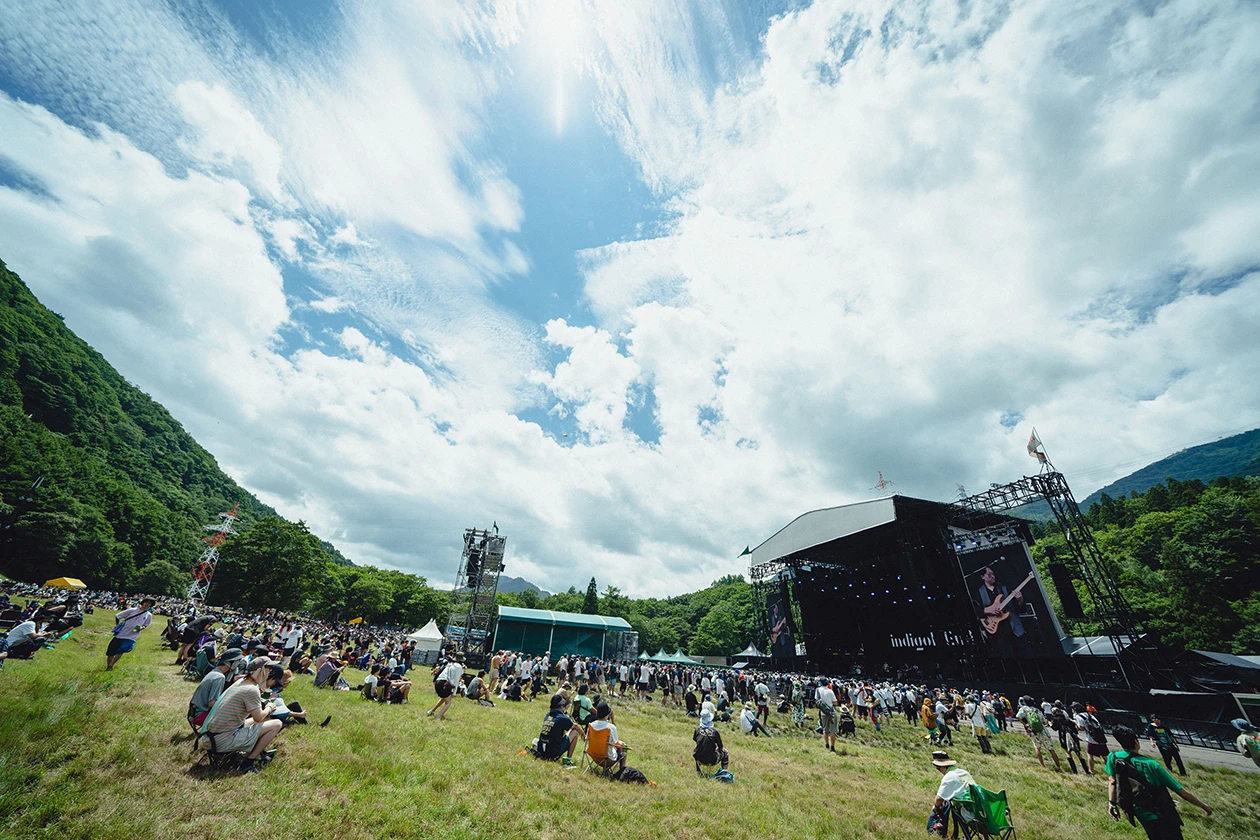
{"points": [[1213, 758]]}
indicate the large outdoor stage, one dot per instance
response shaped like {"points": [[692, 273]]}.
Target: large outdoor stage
{"points": [[928, 588]]}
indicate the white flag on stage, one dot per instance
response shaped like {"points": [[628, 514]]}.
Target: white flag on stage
{"points": [[1035, 449]]}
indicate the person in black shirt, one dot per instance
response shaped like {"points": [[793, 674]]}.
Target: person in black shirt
{"points": [[559, 735], [1163, 740]]}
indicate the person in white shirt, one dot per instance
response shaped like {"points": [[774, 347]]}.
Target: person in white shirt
{"points": [[955, 780], [827, 713], [616, 749], [749, 724], [127, 630], [447, 682]]}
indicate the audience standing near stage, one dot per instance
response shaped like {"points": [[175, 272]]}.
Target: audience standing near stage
{"points": [[1139, 788], [826, 699]]}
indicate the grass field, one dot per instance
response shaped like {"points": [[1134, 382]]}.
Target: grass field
{"points": [[90, 754]]}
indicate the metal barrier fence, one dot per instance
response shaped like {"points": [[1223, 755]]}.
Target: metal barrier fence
{"points": [[1212, 735]]}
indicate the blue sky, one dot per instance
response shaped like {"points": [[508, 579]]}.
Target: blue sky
{"points": [[642, 282]]}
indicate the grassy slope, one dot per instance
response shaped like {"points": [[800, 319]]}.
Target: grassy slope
{"points": [[84, 753]]}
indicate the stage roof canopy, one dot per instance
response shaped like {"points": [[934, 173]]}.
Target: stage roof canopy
{"points": [[823, 526]]}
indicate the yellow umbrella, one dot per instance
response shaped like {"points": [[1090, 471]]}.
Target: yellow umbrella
{"points": [[66, 583], [358, 620]]}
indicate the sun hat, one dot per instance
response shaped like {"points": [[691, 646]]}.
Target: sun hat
{"points": [[706, 718], [940, 758], [1244, 725]]}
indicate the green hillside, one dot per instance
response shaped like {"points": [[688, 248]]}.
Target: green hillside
{"points": [[125, 490], [1236, 455]]}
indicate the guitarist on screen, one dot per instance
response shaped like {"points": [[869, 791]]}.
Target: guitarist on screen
{"points": [[1009, 640]]}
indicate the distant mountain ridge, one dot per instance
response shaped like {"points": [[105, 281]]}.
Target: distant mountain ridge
{"points": [[1235, 455], [518, 585]]}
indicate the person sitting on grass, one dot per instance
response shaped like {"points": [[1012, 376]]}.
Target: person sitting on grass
{"points": [[693, 704], [709, 751], [1139, 787], [955, 780], [241, 722], [24, 639], [213, 684], [512, 690], [395, 689], [329, 673], [559, 736], [583, 708], [478, 690], [616, 749], [371, 683], [749, 724], [1248, 741]]}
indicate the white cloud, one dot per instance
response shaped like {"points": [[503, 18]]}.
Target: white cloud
{"points": [[228, 134]]}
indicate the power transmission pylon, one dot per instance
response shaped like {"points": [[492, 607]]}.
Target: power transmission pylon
{"points": [[203, 569]]}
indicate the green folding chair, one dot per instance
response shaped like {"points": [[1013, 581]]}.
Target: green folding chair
{"points": [[979, 812]]}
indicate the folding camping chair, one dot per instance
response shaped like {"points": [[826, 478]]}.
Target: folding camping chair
{"points": [[708, 771], [982, 813], [595, 757]]}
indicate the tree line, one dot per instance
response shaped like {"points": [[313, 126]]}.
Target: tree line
{"points": [[1187, 557]]}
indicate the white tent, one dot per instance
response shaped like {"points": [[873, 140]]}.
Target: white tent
{"points": [[751, 650], [428, 641]]}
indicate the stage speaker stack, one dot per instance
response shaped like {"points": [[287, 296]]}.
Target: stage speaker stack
{"points": [[1068, 598]]}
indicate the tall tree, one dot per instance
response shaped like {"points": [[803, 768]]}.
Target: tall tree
{"points": [[590, 604], [273, 564]]}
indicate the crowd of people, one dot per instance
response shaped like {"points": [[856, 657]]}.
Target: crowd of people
{"points": [[243, 663]]}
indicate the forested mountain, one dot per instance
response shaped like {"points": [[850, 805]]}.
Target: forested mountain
{"points": [[1188, 558], [1236, 455]]}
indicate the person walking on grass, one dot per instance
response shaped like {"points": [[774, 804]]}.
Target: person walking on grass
{"points": [[445, 685], [127, 630], [1139, 788], [1035, 726], [1162, 739]]}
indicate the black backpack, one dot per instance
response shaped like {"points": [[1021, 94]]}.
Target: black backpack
{"points": [[1133, 791]]}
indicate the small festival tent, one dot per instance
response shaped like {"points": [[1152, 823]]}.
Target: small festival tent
{"points": [[66, 583], [428, 641], [682, 658], [750, 651]]}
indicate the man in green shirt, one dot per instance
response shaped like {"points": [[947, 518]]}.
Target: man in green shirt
{"points": [[1140, 785]]}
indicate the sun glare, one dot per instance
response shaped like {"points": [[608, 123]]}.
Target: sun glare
{"points": [[557, 29]]}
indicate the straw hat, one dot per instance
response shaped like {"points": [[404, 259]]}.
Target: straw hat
{"points": [[941, 759]]}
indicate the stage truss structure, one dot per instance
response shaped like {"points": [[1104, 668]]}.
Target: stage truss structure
{"points": [[1111, 609], [203, 569], [476, 584]]}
